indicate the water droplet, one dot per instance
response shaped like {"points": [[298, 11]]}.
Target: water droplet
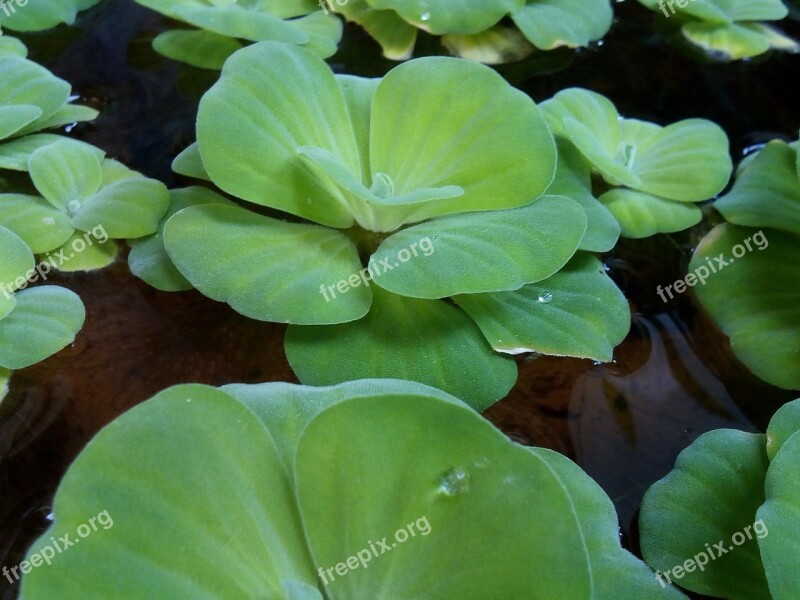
{"points": [[454, 482], [49, 221], [545, 297], [483, 462], [425, 16], [73, 206]]}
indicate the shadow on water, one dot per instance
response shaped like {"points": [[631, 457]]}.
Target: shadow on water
{"points": [[672, 379]]}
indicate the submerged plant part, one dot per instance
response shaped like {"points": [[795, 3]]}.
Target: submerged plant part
{"points": [[732, 506], [656, 175], [225, 27], [401, 183], [733, 29], [756, 298], [38, 15], [473, 29], [306, 480]]}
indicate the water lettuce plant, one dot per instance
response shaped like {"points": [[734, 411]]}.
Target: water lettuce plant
{"points": [[652, 177], [395, 195], [225, 26], [735, 498], [368, 490], [730, 29], [38, 15], [755, 299], [473, 29]]}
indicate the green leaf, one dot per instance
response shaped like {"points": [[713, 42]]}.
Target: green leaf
{"points": [[128, 208], [712, 494], [304, 107], [767, 193], [324, 33], [66, 174], [202, 49], [66, 115], [41, 14], [10, 46], [395, 36], [499, 161], [189, 163], [264, 268], [143, 471], [481, 252], [443, 16], [735, 40], [755, 299], [14, 155], [784, 423], [45, 320], [82, 253], [573, 180], [5, 378], [16, 116], [495, 46], [781, 512], [17, 260], [427, 341], [550, 24], [26, 83], [33, 219], [579, 311], [148, 258], [641, 215], [239, 22]]}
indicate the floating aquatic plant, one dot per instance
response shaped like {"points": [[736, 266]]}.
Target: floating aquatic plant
{"points": [[371, 489], [473, 29], [226, 26], [735, 498], [405, 191], [38, 15], [755, 299], [653, 176], [733, 29]]}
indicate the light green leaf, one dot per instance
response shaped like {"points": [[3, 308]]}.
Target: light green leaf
{"points": [[14, 155], [396, 37], [251, 538], [579, 311], [10, 46], [427, 341], [500, 162], [5, 378], [17, 260], [495, 46], [16, 116], [148, 259], [66, 174], [550, 24], [67, 114], [444, 16], [264, 268], [202, 49], [756, 299], [33, 219], [45, 320], [781, 512], [481, 252], [712, 494], [767, 193], [641, 215], [324, 33], [735, 41], [82, 252], [39, 15], [189, 163], [238, 22], [784, 423], [26, 83], [304, 107], [128, 208]]}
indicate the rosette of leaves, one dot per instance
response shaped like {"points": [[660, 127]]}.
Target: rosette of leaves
{"points": [[31, 99], [431, 178], [86, 202], [649, 177], [755, 298], [34, 323], [735, 495], [225, 26], [38, 15], [473, 30], [731, 29], [290, 481]]}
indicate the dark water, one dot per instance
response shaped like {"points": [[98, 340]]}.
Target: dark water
{"points": [[672, 379]]}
